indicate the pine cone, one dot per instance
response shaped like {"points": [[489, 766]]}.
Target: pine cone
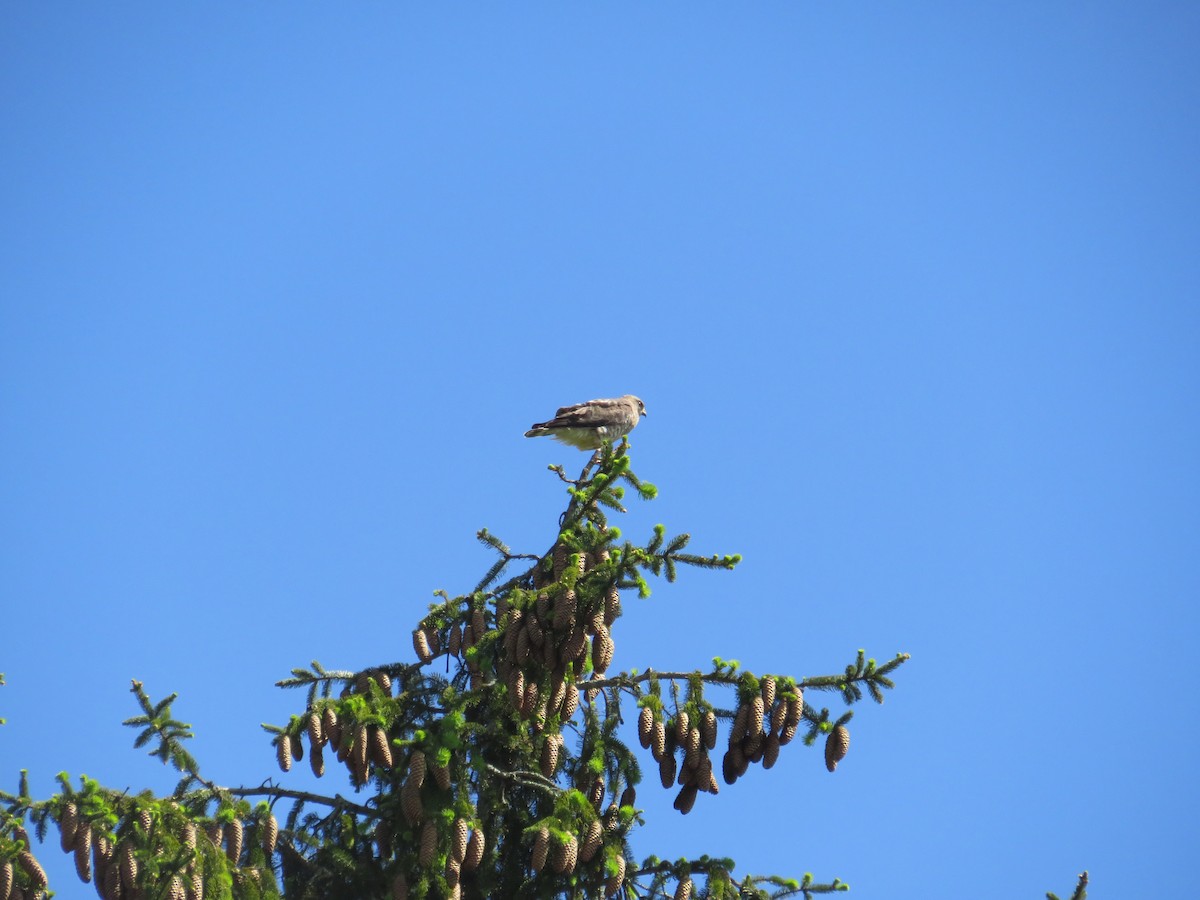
{"points": [[37, 875], [692, 747], [658, 741], [770, 750], [573, 647], [562, 554], [752, 746], [433, 639], [788, 733], [458, 844], [383, 839], [316, 759], [530, 701], [399, 887], [453, 871], [741, 722], [645, 726], [757, 715], [566, 855], [270, 834], [836, 745], [592, 841], [686, 798], [67, 823], [175, 891], [778, 715], [565, 610], [441, 775], [330, 729], [767, 686], [429, 840], [666, 769], [596, 794], [112, 884], [612, 605], [410, 803], [475, 848], [536, 636], [682, 722], [316, 734], [729, 769], [602, 650], [684, 890], [6, 879], [455, 641], [195, 890], [416, 768], [549, 756], [127, 865], [795, 708], [234, 835], [283, 752], [570, 703], [628, 796], [380, 748], [541, 845], [523, 647], [421, 645], [708, 729], [83, 853], [615, 881], [478, 624]]}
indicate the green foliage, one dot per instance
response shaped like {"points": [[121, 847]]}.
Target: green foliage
{"points": [[522, 731]]}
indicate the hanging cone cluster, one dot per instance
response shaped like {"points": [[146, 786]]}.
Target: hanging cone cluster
{"points": [[762, 724]]}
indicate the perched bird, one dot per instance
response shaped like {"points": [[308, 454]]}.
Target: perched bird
{"points": [[586, 425]]}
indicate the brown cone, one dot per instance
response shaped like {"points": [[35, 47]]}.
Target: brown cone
{"points": [[127, 866], [283, 752], [234, 834], [684, 890], [455, 641], [380, 748], [421, 645], [475, 848], [686, 798], [83, 853], [836, 745], [541, 845], [666, 769], [615, 881], [591, 841], [767, 686], [602, 650], [429, 840], [708, 729], [770, 750], [410, 803], [658, 740], [270, 834], [416, 768], [458, 840], [316, 759], [67, 824], [612, 605], [37, 875], [645, 726], [441, 775], [400, 887]]}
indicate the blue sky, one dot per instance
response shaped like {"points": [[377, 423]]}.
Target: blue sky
{"points": [[910, 292]]}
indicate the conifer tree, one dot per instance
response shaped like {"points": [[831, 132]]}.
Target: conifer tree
{"points": [[492, 766]]}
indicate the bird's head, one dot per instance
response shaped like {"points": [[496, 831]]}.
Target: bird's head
{"points": [[637, 401]]}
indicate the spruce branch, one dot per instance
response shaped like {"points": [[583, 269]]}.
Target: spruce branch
{"points": [[156, 721]]}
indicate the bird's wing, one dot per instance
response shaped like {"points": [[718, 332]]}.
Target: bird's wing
{"points": [[587, 415]]}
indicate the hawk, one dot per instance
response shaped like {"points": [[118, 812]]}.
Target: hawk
{"points": [[586, 425]]}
